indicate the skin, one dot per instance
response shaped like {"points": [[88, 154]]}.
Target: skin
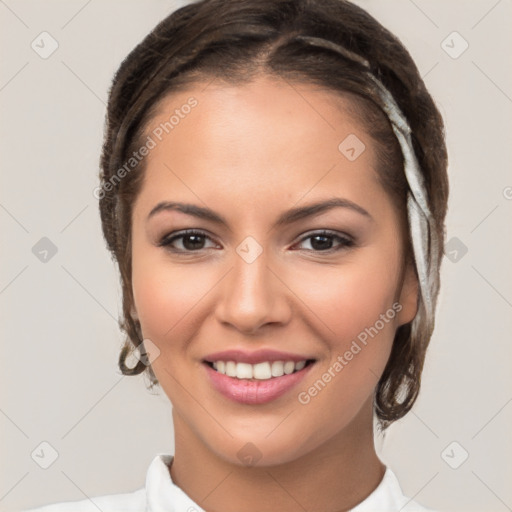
{"points": [[250, 153]]}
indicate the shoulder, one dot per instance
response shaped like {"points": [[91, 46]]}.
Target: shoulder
{"points": [[129, 502], [388, 497]]}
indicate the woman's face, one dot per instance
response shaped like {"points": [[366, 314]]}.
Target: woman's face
{"points": [[266, 274]]}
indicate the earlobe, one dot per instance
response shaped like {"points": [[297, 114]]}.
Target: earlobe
{"points": [[408, 296]]}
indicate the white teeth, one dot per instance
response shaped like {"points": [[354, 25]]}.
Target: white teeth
{"points": [[289, 366], [277, 369], [231, 369], [244, 371], [260, 371], [300, 365]]}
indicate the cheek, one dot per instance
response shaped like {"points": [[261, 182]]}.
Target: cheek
{"points": [[352, 306], [351, 297], [165, 302], [164, 294]]}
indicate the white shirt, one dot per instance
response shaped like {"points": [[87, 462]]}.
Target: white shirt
{"points": [[160, 494]]}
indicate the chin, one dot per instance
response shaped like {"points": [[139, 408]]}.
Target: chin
{"points": [[279, 445]]}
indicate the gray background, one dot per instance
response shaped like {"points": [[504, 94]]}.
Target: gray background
{"points": [[60, 339]]}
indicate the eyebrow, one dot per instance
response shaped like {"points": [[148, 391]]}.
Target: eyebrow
{"points": [[286, 218]]}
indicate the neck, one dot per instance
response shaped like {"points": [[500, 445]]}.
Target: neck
{"points": [[336, 476]]}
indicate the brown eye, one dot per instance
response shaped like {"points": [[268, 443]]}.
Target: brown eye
{"points": [[323, 241], [189, 241]]}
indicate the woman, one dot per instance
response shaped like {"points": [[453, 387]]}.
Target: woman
{"points": [[274, 190]]}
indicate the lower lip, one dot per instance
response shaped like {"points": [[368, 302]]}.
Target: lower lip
{"points": [[254, 392]]}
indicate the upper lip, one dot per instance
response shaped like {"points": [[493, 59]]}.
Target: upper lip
{"points": [[254, 357]]}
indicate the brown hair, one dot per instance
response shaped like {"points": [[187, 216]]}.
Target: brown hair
{"points": [[236, 41]]}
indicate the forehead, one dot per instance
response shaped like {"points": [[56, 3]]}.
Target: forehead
{"points": [[268, 139], [261, 109]]}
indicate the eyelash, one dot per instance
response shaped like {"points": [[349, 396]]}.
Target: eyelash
{"points": [[345, 241]]}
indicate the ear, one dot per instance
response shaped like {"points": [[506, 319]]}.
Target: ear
{"points": [[408, 297]]}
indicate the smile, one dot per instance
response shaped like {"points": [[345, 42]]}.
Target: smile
{"points": [[262, 371], [256, 384]]}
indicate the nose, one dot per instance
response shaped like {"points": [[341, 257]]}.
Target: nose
{"points": [[253, 295]]}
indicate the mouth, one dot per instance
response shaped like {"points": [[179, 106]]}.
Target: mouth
{"points": [[265, 370], [263, 380]]}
